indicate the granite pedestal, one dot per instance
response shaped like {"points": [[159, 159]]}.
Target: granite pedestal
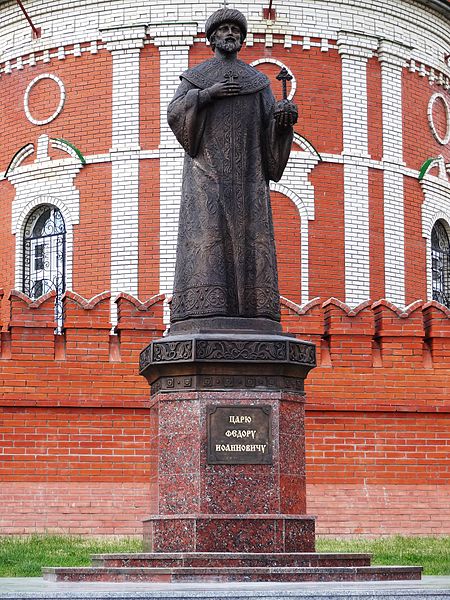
{"points": [[227, 404], [231, 460]]}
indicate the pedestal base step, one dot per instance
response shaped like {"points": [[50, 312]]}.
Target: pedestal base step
{"points": [[230, 559], [219, 574], [231, 533]]}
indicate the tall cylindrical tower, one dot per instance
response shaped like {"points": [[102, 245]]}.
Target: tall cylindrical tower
{"points": [[90, 185]]}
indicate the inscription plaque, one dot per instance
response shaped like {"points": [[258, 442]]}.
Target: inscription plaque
{"points": [[239, 435]]}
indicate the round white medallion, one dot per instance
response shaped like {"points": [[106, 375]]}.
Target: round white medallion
{"points": [[62, 98], [446, 139]]}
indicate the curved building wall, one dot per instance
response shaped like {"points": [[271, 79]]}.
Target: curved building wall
{"points": [[83, 118]]}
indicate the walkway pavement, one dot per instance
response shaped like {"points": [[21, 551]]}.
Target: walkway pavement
{"points": [[26, 588]]}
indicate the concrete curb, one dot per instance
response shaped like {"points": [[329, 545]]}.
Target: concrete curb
{"points": [[430, 588]]}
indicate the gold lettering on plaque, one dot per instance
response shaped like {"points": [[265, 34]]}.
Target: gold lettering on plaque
{"points": [[238, 419], [241, 448], [241, 433]]}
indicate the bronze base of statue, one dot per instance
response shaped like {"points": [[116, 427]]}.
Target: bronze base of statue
{"points": [[227, 360], [228, 324]]}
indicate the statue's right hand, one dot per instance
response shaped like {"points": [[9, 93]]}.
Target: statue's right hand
{"points": [[224, 89]]}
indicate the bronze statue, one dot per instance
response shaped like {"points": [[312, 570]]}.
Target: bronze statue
{"points": [[237, 138]]}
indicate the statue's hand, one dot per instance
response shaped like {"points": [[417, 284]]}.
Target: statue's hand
{"points": [[224, 89], [286, 113]]}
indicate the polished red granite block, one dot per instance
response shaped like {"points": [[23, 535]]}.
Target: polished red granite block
{"points": [[291, 447], [229, 533], [239, 488], [179, 453], [208, 574], [292, 494], [230, 559], [178, 493], [191, 489], [169, 535], [183, 469]]}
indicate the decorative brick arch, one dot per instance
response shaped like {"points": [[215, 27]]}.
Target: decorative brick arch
{"points": [[435, 206], [304, 249], [19, 228]]}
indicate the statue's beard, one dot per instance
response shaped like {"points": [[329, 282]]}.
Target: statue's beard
{"points": [[228, 46]]}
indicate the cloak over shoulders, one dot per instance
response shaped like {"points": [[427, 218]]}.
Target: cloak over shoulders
{"points": [[211, 71]]}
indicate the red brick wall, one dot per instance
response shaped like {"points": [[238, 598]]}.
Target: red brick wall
{"points": [[92, 236], [326, 233], [378, 448], [91, 508], [88, 84], [148, 228], [378, 429], [287, 225], [374, 109], [149, 107], [8, 244], [76, 444], [415, 243], [419, 142], [374, 510]]}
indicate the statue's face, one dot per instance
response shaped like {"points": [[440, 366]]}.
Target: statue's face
{"points": [[227, 37]]}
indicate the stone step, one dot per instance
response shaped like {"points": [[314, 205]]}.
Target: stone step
{"points": [[231, 559], [199, 574]]}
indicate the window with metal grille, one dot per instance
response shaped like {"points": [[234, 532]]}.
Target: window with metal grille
{"points": [[44, 249], [440, 263]]}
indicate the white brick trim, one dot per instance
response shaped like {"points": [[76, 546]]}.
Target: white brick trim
{"points": [[125, 44], [173, 42], [304, 236], [280, 64], [30, 59], [355, 51], [19, 230], [411, 22], [393, 57], [356, 233], [446, 139], [62, 99]]}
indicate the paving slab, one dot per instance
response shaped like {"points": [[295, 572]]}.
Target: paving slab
{"points": [[28, 588]]}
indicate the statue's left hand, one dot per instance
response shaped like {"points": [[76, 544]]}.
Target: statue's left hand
{"points": [[286, 113]]}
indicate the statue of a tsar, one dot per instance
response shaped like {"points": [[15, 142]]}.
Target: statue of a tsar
{"points": [[237, 138]]}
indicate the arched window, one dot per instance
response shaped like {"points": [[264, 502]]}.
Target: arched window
{"points": [[44, 249], [440, 263]]}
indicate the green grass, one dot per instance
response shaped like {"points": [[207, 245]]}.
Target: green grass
{"points": [[432, 553], [24, 556]]}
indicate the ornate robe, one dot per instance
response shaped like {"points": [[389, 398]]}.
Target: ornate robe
{"points": [[226, 261]]}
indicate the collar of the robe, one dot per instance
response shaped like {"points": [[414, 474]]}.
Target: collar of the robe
{"points": [[214, 70]]}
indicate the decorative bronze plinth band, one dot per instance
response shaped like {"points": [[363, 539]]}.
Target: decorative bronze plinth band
{"points": [[232, 349], [227, 383]]}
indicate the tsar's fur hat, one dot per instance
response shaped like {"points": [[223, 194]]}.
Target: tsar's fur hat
{"points": [[226, 15]]}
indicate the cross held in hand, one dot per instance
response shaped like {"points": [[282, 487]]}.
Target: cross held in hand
{"points": [[284, 76], [230, 76]]}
